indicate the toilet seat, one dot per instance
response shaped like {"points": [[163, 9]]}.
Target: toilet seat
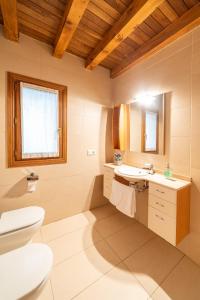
{"points": [[23, 270], [13, 220]]}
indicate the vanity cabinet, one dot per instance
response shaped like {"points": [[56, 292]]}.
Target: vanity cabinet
{"points": [[169, 212], [107, 181], [168, 204]]}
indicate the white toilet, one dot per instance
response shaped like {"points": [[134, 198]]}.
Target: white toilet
{"points": [[24, 271], [17, 227], [24, 266]]}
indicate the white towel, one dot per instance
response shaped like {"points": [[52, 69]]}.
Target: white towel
{"points": [[116, 192], [124, 198]]}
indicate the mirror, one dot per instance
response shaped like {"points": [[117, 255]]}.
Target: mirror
{"points": [[147, 124]]}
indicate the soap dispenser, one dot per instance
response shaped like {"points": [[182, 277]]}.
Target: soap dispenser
{"points": [[168, 172]]}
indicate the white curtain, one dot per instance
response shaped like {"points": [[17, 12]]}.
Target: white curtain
{"points": [[39, 108]]}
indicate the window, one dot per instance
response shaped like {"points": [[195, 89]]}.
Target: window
{"points": [[150, 134], [36, 121]]}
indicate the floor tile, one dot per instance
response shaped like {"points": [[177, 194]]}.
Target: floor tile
{"points": [[110, 225], [129, 239], [182, 284], [117, 284], [190, 246], [74, 242], [46, 293], [57, 229], [100, 213], [153, 262], [75, 274], [64, 226]]}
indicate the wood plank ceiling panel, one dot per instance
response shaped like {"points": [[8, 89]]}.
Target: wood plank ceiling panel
{"points": [[189, 20], [74, 11], [168, 11], [179, 6], [134, 15], [99, 18], [146, 30], [119, 5], [98, 11], [79, 49], [160, 18], [96, 21], [191, 3], [40, 19]]}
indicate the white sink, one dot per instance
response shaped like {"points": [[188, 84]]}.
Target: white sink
{"points": [[126, 171]]}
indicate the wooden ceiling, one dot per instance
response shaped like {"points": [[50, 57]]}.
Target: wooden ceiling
{"points": [[113, 33]]}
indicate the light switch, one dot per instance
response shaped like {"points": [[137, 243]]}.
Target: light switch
{"points": [[91, 152]]}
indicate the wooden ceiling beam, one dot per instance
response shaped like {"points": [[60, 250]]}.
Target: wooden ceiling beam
{"points": [[73, 13], [10, 23], [134, 15], [179, 27]]}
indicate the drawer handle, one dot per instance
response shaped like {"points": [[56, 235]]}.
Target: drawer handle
{"points": [[157, 216], [157, 190], [160, 204]]}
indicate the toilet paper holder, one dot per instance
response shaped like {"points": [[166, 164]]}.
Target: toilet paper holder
{"points": [[32, 177]]}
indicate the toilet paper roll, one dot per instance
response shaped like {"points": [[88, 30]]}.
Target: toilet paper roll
{"points": [[31, 186]]}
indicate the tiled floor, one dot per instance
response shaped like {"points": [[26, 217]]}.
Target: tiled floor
{"points": [[104, 255]]}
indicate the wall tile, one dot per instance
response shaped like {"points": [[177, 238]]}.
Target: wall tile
{"points": [[60, 189], [174, 70]]}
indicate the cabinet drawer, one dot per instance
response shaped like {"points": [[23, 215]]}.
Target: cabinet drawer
{"points": [[162, 192], [162, 205], [162, 224]]}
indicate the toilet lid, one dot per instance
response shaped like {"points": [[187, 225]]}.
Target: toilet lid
{"points": [[20, 218], [23, 270]]}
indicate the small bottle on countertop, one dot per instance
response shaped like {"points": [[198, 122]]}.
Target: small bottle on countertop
{"points": [[167, 172]]}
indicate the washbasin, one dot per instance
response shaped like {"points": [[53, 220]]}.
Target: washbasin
{"points": [[131, 171]]}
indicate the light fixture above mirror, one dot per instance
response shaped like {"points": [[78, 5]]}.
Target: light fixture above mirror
{"points": [[145, 99]]}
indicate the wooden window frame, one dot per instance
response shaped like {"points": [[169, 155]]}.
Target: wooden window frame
{"points": [[14, 122], [144, 131]]}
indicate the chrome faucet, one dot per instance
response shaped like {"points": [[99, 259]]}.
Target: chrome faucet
{"points": [[150, 167]]}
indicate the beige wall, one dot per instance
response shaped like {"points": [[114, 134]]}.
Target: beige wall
{"points": [[176, 71], [70, 188], [73, 187]]}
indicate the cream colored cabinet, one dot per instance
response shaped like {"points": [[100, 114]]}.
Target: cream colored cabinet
{"points": [[169, 212], [107, 181]]}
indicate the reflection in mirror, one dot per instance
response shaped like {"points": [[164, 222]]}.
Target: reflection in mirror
{"points": [[150, 143], [147, 118]]}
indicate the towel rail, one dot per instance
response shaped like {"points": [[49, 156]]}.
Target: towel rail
{"points": [[138, 186]]}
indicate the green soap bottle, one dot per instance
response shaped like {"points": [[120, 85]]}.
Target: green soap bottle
{"points": [[168, 172]]}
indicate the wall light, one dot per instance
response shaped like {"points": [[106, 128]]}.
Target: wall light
{"points": [[145, 99]]}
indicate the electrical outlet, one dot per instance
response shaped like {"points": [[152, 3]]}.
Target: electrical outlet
{"points": [[91, 152]]}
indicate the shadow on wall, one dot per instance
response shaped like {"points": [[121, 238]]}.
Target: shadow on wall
{"points": [[18, 190], [108, 139], [95, 196]]}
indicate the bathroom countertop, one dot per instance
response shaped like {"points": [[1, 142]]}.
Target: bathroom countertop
{"points": [[173, 183]]}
